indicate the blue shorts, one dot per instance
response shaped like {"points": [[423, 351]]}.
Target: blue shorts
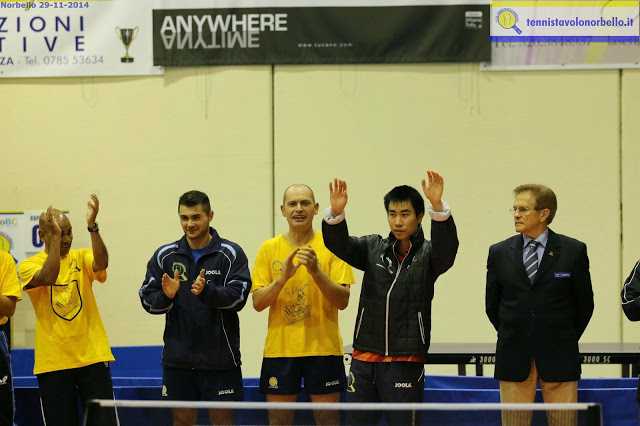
{"points": [[385, 382], [320, 375], [180, 384]]}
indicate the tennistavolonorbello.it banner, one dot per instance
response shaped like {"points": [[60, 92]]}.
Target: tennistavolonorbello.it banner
{"points": [[561, 34], [311, 32], [565, 21], [75, 38]]}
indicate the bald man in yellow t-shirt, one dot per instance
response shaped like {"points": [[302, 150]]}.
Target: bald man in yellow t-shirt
{"points": [[72, 353], [304, 285], [9, 296]]}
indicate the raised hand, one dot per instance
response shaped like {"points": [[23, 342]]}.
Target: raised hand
{"points": [[52, 221], [433, 187], [307, 257], [338, 196], [170, 285], [198, 284], [93, 206], [49, 225]]}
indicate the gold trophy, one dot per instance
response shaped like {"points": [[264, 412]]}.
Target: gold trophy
{"points": [[126, 36]]}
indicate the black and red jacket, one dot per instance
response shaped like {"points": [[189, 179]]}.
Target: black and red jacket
{"points": [[394, 312]]}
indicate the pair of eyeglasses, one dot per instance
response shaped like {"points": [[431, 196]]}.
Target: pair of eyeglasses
{"points": [[521, 210]]}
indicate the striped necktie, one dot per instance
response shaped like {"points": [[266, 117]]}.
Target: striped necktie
{"points": [[531, 260]]}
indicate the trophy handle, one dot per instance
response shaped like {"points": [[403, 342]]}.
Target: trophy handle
{"points": [[118, 32], [135, 33]]}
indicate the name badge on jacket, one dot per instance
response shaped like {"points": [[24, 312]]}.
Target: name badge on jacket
{"points": [[562, 275]]}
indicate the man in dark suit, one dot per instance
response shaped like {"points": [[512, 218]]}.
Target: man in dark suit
{"points": [[631, 302], [539, 299]]}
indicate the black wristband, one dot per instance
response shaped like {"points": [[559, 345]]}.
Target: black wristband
{"points": [[93, 228]]}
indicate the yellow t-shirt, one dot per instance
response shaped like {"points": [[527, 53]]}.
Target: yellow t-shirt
{"points": [[69, 330], [9, 285], [302, 322]]}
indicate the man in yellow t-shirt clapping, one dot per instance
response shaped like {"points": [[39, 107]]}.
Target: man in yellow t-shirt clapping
{"points": [[304, 285], [72, 353]]}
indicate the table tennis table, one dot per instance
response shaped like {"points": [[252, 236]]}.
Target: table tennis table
{"points": [[627, 355]]}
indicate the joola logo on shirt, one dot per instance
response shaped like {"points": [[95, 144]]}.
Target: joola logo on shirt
{"points": [[332, 383], [404, 385], [226, 392], [213, 272], [3, 381]]}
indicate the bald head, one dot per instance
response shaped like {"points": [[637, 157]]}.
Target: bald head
{"points": [[56, 214], [297, 187], [299, 207], [54, 224]]}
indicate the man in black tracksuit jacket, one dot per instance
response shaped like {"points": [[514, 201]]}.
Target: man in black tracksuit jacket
{"points": [[392, 333], [200, 282]]}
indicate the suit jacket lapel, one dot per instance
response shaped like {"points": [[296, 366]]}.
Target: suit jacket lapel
{"points": [[551, 253], [516, 255]]}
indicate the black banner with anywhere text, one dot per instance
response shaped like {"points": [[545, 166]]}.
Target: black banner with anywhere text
{"points": [[322, 35]]}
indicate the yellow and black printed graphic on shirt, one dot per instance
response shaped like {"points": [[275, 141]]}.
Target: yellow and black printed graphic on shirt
{"points": [[66, 300], [294, 296], [298, 307]]}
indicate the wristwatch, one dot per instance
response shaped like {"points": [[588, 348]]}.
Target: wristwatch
{"points": [[93, 227]]}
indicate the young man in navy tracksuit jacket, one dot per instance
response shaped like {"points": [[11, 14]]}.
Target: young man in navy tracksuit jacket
{"points": [[199, 282]]}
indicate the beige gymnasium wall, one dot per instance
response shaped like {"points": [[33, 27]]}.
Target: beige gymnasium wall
{"points": [[141, 142]]}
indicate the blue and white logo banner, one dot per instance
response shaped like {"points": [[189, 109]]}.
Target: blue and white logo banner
{"points": [[565, 21], [19, 234], [561, 34]]}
